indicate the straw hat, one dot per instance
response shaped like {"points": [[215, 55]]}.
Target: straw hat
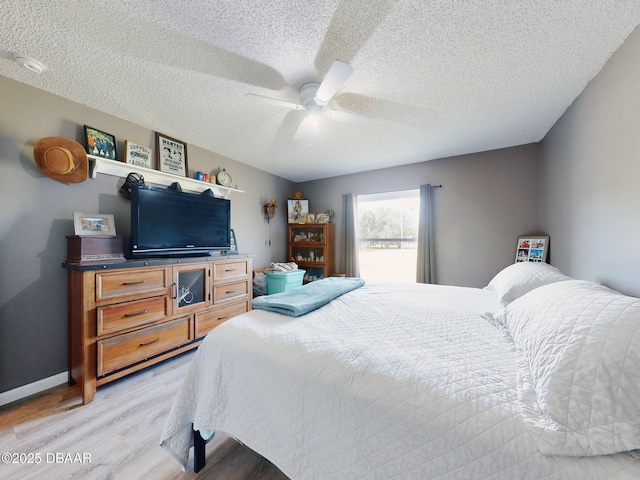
{"points": [[61, 159]]}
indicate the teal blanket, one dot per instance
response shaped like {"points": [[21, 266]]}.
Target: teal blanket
{"points": [[304, 299]]}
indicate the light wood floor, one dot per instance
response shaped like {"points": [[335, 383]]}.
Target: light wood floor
{"points": [[120, 431]]}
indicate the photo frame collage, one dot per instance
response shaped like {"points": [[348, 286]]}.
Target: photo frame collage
{"points": [[532, 248]]}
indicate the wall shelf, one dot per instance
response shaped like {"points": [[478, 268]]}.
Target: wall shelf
{"points": [[156, 177]]}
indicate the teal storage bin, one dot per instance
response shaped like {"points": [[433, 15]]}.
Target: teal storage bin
{"points": [[283, 281]]}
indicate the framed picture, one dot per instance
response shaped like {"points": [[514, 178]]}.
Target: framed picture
{"points": [[172, 155], [138, 155], [532, 248], [94, 224], [311, 218], [298, 210], [100, 144]]}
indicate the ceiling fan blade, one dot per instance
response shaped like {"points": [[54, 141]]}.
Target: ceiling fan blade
{"points": [[274, 101], [348, 117], [333, 81]]}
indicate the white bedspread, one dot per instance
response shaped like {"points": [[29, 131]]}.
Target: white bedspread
{"points": [[393, 381]]}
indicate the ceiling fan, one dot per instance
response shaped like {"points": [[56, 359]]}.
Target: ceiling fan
{"points": [[315, 96]]}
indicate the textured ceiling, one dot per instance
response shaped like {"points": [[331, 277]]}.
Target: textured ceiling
{"points": [[438, 78]]}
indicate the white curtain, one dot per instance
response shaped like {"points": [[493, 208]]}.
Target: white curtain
{"points": [[349, 236], [425, 271]]}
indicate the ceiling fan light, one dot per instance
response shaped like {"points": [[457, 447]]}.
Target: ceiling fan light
{"points": [[322, 103], [307, 96]]}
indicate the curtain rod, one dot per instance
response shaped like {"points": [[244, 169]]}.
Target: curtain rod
{"points": [[432, 186]]}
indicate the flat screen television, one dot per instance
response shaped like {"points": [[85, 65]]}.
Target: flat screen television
{"points": [[166, 222]]}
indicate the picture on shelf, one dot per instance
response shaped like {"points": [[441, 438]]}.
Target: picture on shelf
{"points": [[100, 144], [172, 155], [137, 155], [298, 210]]}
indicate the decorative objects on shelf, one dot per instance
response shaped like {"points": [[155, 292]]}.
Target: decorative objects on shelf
{"points": [[153, 177], [270, 209], [100, 143], [172, 155], [61, 159], [322, 218], [532, 248], [135, 154], [311, 246], [224, 178]]}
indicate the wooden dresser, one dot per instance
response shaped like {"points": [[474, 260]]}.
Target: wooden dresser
{"points": [[128, 315]]}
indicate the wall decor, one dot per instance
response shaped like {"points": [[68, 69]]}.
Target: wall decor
{"points": [[100, 144], [298, 209], [270, 208], [172, 155], [138, 155], [94, 224], [532, 248]]}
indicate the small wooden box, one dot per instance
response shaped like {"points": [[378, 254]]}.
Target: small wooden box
{"points": [[91, 248]]}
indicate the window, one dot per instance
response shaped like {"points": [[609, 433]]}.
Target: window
{"points": [[388, 235]]}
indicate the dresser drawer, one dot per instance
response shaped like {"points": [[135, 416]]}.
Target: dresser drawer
{"points": [[123, 350], [122, 284], [229, 291], [207, 321], [229, 271], [129, 315]]}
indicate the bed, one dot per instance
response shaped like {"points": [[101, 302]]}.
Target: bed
{"points": [[535, 376]]}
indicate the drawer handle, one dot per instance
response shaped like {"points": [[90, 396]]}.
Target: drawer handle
{"points": [[134, 283], [133, 314], [231, 269], [150, 342], [223, 317], [232, 291]]}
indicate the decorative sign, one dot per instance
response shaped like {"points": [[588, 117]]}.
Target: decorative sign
{"points": [[172, 155], [138, 155]]}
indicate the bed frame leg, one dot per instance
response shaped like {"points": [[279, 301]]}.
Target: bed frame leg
{"points": [[199, 457]]}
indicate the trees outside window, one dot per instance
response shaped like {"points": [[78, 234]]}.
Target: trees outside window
{"points": [[387, 234]]}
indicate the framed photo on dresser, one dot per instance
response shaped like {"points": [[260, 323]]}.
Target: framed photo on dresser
{"points": [[85, 223]]}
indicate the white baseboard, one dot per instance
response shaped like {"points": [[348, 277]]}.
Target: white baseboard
{"points": [[32, 388]]}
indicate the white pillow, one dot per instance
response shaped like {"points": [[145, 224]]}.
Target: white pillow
{"points": [[517, 279], [579, 367]]}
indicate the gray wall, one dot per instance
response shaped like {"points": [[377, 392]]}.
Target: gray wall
{"points": [[590, 177], [486, 201], [37, 215]]}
